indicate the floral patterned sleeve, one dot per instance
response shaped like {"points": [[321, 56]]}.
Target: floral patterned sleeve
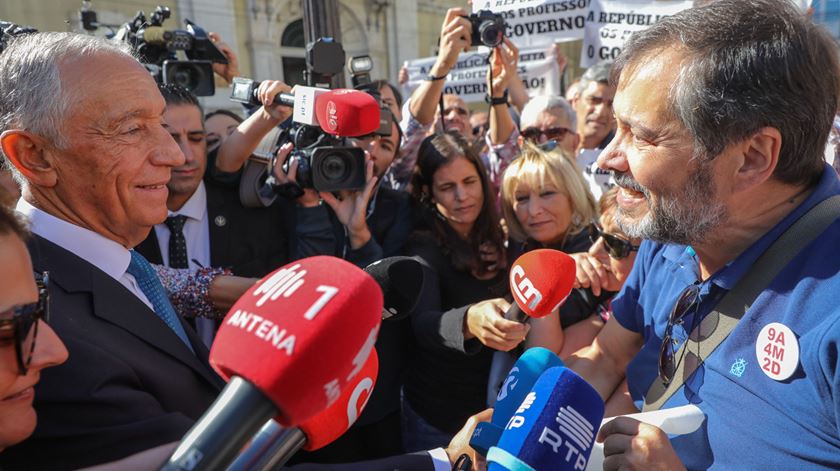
{"points": [[188, 290], [500, 156]]}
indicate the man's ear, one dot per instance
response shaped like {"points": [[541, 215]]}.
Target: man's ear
{"points": [[26, 152], [760, 157]]}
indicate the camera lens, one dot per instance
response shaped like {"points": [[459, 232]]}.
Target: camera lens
{"points": [[334, 168], [185, 77], [491, 35]]}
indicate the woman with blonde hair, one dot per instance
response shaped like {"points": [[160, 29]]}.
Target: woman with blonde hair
{"points": [[546, 202]]}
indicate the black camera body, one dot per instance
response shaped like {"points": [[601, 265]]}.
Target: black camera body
{"points": [[157, 48], [325, 162], [488, 28]]}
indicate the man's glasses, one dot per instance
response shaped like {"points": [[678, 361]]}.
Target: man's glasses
{"points": [[556, 133], [686, 303], [616, 246], [20, 324]]}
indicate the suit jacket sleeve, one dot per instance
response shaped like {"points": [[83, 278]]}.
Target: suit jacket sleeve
{"points": [[420, 461]]}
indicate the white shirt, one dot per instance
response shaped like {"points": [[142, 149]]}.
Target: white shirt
{"points": [[196, 231], [103, 253]]}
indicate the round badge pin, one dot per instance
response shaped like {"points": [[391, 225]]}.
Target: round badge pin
{"points": [[777, 350], [220, 221]]}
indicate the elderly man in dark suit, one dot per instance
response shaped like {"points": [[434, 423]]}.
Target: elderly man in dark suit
{"points": [[81, 125]]}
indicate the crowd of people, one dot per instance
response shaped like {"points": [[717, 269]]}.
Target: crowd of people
{"points": [[665, 175]]}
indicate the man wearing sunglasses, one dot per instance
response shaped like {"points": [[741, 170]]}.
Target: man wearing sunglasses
{"points": [[718, 151], [86, 140]]}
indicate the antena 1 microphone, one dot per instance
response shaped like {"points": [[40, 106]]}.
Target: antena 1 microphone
{"points": [[273, 445], [540, 281], [516, 386], [289, 346], [554, 428]]}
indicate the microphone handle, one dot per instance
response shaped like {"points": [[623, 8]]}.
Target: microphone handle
{"points": [[285, 99], [217, 437], [515, 313], [271, 447]]}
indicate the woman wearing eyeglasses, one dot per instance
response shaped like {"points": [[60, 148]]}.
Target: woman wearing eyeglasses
{"points": [[27, 345]]}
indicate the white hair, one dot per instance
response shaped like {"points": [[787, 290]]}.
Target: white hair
{"points": [[31, 94], [550, 103]]}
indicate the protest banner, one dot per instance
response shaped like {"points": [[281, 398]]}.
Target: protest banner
{"points": [[611, 22], [468, 78]]}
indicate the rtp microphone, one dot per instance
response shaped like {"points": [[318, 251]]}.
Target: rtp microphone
{"points": [[401, 280], [516, 386], [289, 346], [341, 112], [273, 445], [540, 281], [554, 428]]}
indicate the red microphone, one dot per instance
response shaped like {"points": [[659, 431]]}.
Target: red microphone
{"points": [[540, 281], [342, 112], [289, 346], [272, 447], [345, 112]]}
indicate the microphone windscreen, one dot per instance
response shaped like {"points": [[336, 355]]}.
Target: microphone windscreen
{"points": [[330, 424], [401, 280], [555, 426], [345, 112], [301, 335], [518, 383], [541, 280]]}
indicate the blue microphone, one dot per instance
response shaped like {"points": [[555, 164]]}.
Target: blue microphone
{"points": [[553, 429], [516, 386]]}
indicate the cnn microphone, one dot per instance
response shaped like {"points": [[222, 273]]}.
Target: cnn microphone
{"points": [[540, 281], [289, 347], [341, 112], [554, 428], [273, 445], [401, 279], [516, 386]]}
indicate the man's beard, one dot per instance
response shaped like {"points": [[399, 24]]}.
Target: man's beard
{"points": [[684, 218]]}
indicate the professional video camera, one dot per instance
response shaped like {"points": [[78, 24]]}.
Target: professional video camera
{"points": [[158, 47], [326, 160], [488, 28]]}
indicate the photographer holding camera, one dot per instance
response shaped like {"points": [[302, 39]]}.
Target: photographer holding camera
{"points": [[459, 33]]}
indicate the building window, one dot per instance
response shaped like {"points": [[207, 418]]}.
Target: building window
{"points": [[293, 50]]}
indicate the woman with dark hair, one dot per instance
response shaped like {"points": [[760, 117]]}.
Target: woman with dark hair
{"points": [[460, 320]]}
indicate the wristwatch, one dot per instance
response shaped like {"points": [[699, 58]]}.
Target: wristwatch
{"points": [[502, 100]]}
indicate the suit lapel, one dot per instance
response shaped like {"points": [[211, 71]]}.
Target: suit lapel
{"points": [[113, 303], [218, 221]]}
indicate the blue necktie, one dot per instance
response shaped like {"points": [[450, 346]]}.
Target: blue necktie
{"points": [[149, 283]]}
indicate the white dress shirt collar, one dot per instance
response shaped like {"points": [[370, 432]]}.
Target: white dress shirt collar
{"points": [[101, 252]]}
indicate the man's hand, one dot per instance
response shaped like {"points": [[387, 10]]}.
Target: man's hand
{"points": [[485, 321], [455, 37], [231, 69], [460, 443], [590, 273], [559, 57], [503, 67], [310, 197], [633, 445], [266, 92], [351, 209]]}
